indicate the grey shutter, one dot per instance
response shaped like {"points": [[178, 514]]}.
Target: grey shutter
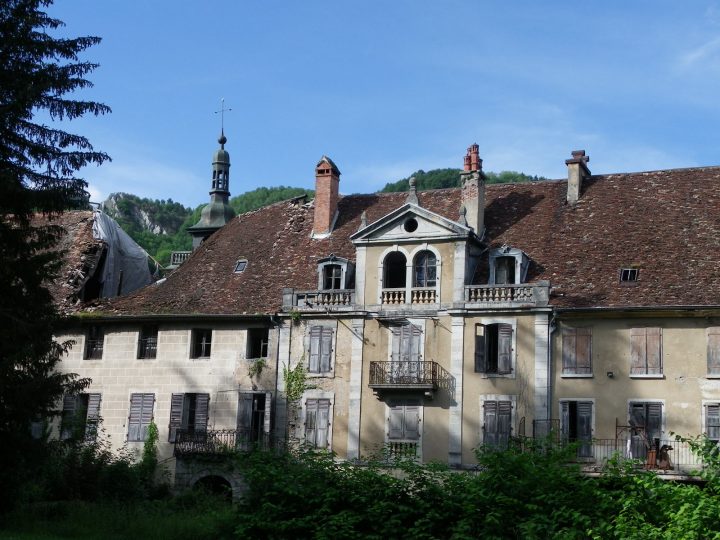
{"points": [[480, 364], [134, 420], [395, 422], [712, 421], [326, 349], [504, 427], [713, 351], [654, 421], [202, 411], [584, 428], [638, 352], [148, 400], [244, 417], [311, 410], [565, 420], [68, 417], [176, 414], [268, 411], [490, 424], [396, 340], [315, 346], [93, 416], [505, 335], [583, 350], [569, 348], [322, 426], [412, 421], [654, 351], [415, 337]]}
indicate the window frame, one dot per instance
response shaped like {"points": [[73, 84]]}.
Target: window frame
{"points": [[522, 263], [94, 347], [640, 343], [496, 326], [320, 337], [713, 352], [182, 407], [636, 442], [72, 423], [426, 267], [146, 335], [252, 336], [497, 399], [706, 417], [575, 339], [141, 422], [302, 428], [347, 272], [201, 350], [585, 449]]}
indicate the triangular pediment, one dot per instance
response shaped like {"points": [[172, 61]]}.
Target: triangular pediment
{"points": [[410, 222]]}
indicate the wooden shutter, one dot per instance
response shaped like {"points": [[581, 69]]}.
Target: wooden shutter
{"points": [[315, 347], [569, 348], [395, 422], [244, 415], [713, 351], [504, 426], [202, 411], [565, 419], [654, 351], [68, 416], [490, 423], [93, 416], [311, 411], [584, 420], [326, 349], [480, 364], [268, 411], [141, 414], [583, 350], [176, 414], [712, 421], [505, 335], [414, 338], [412, 421], [396, 343], [322, 426], [638, 351], [654, 421]]}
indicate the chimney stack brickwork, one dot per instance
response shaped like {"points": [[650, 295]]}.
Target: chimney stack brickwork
{"points": [[577, 172], [473, 190], [327, 183]]}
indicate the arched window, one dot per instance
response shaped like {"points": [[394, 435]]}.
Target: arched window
{"points": [[425, 270], [394, 270]]}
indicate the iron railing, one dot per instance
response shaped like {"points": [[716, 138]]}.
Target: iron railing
{"points": [[219, 442], [408, 374]]}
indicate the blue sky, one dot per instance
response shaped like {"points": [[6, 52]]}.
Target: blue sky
{"points": [[386, 88]]}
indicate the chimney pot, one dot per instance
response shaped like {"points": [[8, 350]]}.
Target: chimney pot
{"points": [[577, 172]]}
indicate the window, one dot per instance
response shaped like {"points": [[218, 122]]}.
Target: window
{"points": [[404, 420], [712, 421], [94, 341], [147, 343], [425, 270], [646, 427], [317, 422], [497, 422], [321, 347], [576, 425], [577, 351], [253, 418], [646, 351], [505, 271], [713, 351], [201, 343], [332, 276], [394, 275], [240, 266], [141, 414], [493, 348], [508, 266], [80, 417], [628, 275], [188, 413], [405, 354], [257, 343]]}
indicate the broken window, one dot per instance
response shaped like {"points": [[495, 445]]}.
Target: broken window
{"points": [[493, 348], [713, 351], [141, 415], [577, 351], [576, 425], [80, 417], [188, 413], [394, 270], [497, 418], [332, 276], [201, 343], [317, 422], [257, 343], [646, 351], [147, 342], [425, 270], [94, 343], [321, 347]]}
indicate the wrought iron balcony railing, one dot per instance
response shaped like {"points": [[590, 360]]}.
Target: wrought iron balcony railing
{"points": [[218, 442], [421, 375]]}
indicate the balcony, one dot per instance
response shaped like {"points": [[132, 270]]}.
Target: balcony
{"points": [[324, 300], [218, 442], [178, 257], [418, 295], [524, 295], [418, 375]]}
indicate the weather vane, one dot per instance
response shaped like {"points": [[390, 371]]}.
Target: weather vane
{"points": [[222, 113]]}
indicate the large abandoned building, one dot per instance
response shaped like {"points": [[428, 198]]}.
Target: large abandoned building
{"points": [[428, 323]]}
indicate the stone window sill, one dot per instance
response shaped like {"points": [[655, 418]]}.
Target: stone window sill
{"points": [[647, 376], [576, 376]]}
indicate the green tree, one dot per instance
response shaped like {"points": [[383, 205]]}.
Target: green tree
{"points": [[38, 175]]}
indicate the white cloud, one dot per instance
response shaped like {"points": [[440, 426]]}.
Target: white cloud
{"points": [[707, 52], [96, 196]]}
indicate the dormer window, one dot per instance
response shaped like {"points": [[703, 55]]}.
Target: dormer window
{"points": [[629, 275], [335, 273], [508, 266]]}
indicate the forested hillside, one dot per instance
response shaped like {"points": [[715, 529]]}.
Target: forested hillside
{"points": [[160, 226]]}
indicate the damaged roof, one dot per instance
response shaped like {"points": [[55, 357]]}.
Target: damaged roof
{"points": [[664, 223]]}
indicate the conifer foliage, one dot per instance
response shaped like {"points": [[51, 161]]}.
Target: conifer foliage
{"points": [[38, 175]]}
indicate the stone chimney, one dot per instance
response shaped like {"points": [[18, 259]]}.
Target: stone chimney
{"points": [[472, 181], [327, 181], [577, 172]]}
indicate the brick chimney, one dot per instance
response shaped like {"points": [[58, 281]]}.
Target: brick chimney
{"points": [[577, 172], [472, 181], [327, 181]]}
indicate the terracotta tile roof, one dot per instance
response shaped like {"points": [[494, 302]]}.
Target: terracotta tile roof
{"points": [[666, 223]]}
